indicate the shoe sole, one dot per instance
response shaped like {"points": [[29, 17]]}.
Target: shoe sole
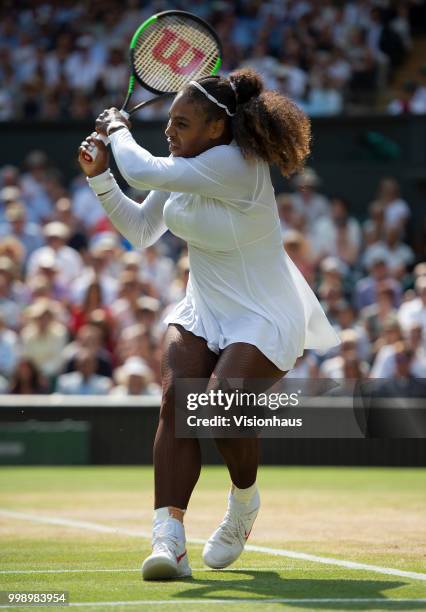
{"points": [[222, 565], [161, 569]]}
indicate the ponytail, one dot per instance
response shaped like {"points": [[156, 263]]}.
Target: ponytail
{"points": [[269, 125]]}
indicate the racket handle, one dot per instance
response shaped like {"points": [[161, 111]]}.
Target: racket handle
{"points": [[92, 150]]}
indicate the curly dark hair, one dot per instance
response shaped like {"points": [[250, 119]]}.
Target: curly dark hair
{"points": [[264, 124]]}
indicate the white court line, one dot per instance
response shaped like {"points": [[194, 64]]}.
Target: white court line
{"points": [[174, 602], [136, 569], [132, 569], [251, 547]]}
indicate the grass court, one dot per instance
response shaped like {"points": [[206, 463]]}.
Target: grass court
{"points": [[325, 539]]}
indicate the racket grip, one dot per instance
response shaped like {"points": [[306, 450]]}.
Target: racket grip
{"points": [[92, 151]]}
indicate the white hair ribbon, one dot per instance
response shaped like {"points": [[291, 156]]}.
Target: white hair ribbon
{"points": [[211, 98]]}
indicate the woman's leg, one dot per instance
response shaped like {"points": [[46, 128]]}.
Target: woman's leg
{"points": [[243, 361], [177, 461], [256, 374]]}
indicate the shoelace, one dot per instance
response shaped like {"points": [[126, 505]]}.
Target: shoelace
{"points": [[232, 527], [164, 542]]}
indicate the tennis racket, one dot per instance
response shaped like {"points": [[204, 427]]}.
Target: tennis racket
{"points": [[167, 51]]}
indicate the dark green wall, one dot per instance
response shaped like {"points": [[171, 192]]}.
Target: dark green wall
{"points": [[124, 435]]}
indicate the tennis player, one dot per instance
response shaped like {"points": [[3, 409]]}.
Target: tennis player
{"points": [[248, 312]]}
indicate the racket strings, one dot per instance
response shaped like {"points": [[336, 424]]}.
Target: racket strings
{"points": [[172, 51]]}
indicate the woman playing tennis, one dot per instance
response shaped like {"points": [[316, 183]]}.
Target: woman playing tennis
{"points": [[248, 312]]}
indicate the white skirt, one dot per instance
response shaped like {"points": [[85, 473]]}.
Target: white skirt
{"points": [[272, 309]]}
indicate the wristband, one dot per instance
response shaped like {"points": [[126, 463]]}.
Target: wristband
{"points": [[114, 126], [101, 183]]}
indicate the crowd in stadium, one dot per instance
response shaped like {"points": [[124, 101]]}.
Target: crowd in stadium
{"points": [[68, 59], [81, 312]]}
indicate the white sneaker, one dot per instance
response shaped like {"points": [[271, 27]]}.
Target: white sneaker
{"points": [[227, 543], [169, 558]]}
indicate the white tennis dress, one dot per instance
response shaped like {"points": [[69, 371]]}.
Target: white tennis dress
{"points": [[242, 286]]}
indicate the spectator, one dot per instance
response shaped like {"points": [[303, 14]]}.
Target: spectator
{"points": [[9, 349], [397, 254], [81, 68], [69, 261], [28, 233], [48, 268], [419, 101], [77, 234], [8, 195], [44, 338], [375, 314], [85, 205], [80, 313], [137, 341], [366, 288], [286, 212], [123, 309], [414, 311], [338, 234], [10, 306], [34, 191], [331, 296], [146, 313], [364, 67], [307, 201], [297, 248], [334, 367], [89, 336], [27, 379], [134, 378], [324, 99], [373, 227], [14, 250], [97, 269], [396, 210], [157, 270], [383, 362], [113, 78], [399, 360], [84, 381], [409, 101]]}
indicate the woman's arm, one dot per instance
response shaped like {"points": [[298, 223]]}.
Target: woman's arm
{"points": [[220, 172], [142, 224]]}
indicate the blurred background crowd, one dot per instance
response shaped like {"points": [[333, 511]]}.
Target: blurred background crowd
{"points": [[68, 59], [81, 312]]}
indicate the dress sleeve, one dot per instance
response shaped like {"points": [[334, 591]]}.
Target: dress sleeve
{"points": [[142, 224], [220, 172]]}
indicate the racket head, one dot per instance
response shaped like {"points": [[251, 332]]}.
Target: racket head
{"points": [[172, 48]]}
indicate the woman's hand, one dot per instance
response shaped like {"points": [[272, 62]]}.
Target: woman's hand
{"points": [[108, 116], [100, 164]]}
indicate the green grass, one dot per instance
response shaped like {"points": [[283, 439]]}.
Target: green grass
{"points": [[368, 515]]}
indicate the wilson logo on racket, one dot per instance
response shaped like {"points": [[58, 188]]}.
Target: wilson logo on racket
{"points": [[177, 47]]}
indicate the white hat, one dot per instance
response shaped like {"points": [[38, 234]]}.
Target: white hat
{"points": [[133, 366], [56, 229], [104, 241], [308, 177]]}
